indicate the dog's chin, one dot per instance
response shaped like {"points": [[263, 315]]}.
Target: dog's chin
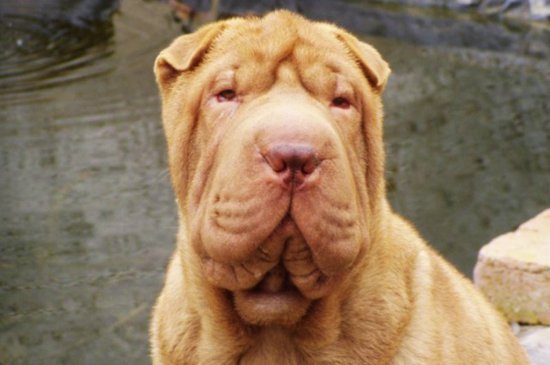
{"points": [[259, 307]]}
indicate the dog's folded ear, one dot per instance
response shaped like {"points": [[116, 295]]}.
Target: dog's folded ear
{"points": [[184, 53], [374, 67]]}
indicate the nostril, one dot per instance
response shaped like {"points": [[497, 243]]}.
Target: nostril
{"points": [[310, 165], [294, 157], [276, 160]]}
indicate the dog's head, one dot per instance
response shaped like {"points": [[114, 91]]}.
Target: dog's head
{"points": [[274, 133]]}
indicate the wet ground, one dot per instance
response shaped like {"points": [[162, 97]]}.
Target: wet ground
{"points": [[87, 218]]}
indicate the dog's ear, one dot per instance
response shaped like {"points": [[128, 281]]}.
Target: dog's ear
{"points": [[185, 53], [374, 67]]}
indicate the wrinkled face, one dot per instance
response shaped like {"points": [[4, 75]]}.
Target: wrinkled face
{"points": [[269, 160]]}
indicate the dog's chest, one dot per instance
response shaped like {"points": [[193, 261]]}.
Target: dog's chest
{"points": [[272, 347]]}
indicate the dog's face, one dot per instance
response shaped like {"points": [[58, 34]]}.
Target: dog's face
{"points": [[274, 135]]}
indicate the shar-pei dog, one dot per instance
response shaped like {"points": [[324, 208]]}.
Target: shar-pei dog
{"points": [[287, 250]]}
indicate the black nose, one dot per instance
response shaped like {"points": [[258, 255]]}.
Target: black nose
{"points": [[292, 161]]}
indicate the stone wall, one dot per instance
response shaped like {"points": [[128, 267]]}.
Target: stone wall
{"points": [[530, 9], [534, 9]]}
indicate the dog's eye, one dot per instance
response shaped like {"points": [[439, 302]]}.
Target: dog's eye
{"points": [[226, 95], [341, 102]]}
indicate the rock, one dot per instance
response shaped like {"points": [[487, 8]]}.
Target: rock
{"points": [[536, 342], [540, 9], [513, 271]]}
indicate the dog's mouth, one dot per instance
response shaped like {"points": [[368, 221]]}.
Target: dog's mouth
{"points": [[279, 282], [274, 300], [285, 293], [275, 281], [273, 253]]}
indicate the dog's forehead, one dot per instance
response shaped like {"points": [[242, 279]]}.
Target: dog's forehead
{"points": [[279, 35]]}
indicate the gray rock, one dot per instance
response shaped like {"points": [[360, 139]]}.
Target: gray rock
{"points": [[540, 9], [536, 341]]}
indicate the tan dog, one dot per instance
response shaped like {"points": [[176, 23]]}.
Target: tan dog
{"points": [[288, 252]]}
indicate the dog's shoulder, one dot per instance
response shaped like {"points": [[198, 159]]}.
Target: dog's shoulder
{"points": [[446, 311]]}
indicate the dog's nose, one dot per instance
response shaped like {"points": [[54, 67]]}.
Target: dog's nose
{"points": [[292, 161]]}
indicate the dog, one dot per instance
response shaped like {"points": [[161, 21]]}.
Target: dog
{"points": [[287, 250]]}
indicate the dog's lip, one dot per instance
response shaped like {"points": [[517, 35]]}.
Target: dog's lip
{"points": [[274, 299], [284, 307], [280, 301]]}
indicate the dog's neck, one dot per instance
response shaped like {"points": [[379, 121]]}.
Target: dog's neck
{"points": [[272, 346]]}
